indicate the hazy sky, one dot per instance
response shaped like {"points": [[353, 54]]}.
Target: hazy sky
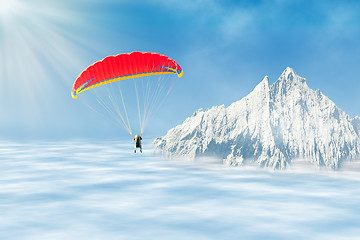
{"points": [[224, 47]]}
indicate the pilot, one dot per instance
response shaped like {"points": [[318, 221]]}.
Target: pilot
{"points": [[137, 140]]}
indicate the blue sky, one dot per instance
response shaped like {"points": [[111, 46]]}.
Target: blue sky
{"points": [[224, 47]]}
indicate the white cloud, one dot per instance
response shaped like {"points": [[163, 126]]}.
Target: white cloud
{"points": [[94, 190]]}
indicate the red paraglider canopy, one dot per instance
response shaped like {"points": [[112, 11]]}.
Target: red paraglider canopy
{"points": [[124, 66]]}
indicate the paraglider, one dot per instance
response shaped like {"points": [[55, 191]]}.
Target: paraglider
{"points": [[143, 79], [122, 67]]}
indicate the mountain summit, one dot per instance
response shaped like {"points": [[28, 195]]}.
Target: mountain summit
{"points": [[273, 126]]}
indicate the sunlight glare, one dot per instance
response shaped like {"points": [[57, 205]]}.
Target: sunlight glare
{"points": [[36, 46], [7, 7]]}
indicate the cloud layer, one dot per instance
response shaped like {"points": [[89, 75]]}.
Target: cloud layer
{"points": [[96, 190]]}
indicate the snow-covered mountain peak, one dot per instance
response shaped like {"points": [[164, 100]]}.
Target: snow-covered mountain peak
{"points": [[273, 126], [288, 84], [262, 87], [289, 75], [265, 81]]}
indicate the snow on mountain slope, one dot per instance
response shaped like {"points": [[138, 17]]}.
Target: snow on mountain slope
{"points": [[273, 126]]}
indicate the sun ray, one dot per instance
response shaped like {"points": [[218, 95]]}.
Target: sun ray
{"points": [[37, 46]]}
